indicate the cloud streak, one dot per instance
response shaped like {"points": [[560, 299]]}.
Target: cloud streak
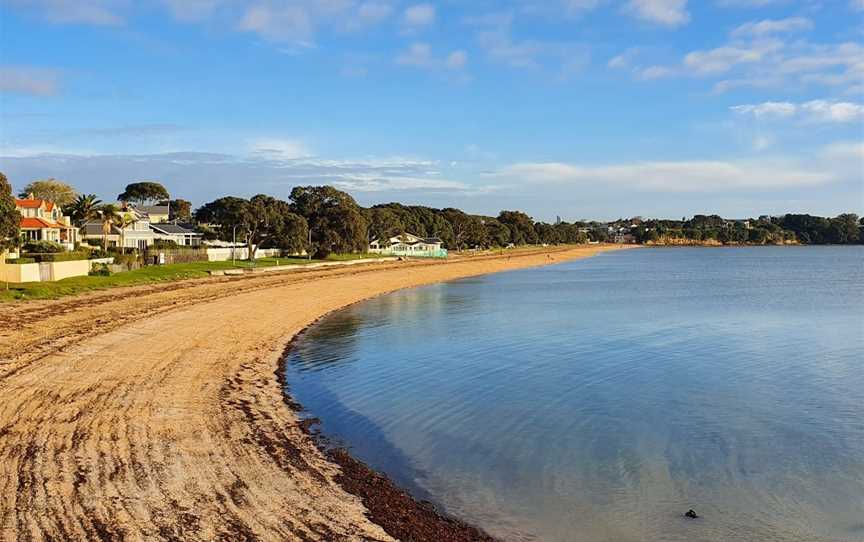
{"points": [[812, 111], [28, 80]]}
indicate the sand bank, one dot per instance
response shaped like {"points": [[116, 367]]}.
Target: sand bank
{"points": [[155, 413]]}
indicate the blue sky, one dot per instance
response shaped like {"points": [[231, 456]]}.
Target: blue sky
{"points": [[577, 108]]}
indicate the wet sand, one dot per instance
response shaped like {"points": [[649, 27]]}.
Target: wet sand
{"points": [[156, 412]]}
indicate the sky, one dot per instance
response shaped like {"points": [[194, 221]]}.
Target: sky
{"points": [[583, 109]]}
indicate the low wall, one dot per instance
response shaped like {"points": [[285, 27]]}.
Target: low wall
{"points": [[175, 255], [47, 272], [238, 253]]}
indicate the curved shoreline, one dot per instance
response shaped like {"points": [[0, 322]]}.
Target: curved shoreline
{"points": [[155, 415]]}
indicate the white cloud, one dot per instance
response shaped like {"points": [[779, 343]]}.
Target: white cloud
{"points": [[653, 72], [664, 12], [280, 149], [418, 15], [283, 23], [192, 10], [674, 176], [373, 12], [773, 26], [722, 59], [767, 109], [28, 80], [418, 55], [625, 59], [89, 12], [496, 40], [812, 111], [748, 3], [773, 63], [201, 177], [457, 60]]}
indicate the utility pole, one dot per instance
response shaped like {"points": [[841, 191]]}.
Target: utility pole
{"points": [[233, 246], [309, 246]]}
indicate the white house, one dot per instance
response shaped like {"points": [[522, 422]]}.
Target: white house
{"points": [[409, 245], [141, 232]]}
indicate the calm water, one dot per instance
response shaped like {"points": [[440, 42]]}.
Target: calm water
{"points": [[598, 400]]}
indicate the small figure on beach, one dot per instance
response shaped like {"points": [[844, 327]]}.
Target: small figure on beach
{"points": [[691, 514]]}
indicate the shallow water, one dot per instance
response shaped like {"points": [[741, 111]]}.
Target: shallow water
{"points": [[598, 400]]}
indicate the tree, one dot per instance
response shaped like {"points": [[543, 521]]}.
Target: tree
{"points": [[122, 221], [497, 233], [336, 221], [144, 192], [468, 231], [52, 190], [521, 227], [84, 209], [843, 229], [260, 220], [288, 231], [10, 218], [179, 210], [382, 223], [109, 215]]}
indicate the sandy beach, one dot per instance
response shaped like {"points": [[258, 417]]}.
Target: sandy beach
{"points": [[156, 412]]}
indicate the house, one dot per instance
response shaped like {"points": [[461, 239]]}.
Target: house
{"points": [[158, 214], [409, 245], [42, 220], [177, 233], [625, 239], [141, 232], [137, 234]]}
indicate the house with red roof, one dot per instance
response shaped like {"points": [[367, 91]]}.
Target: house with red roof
{"points": [[42, 220]]}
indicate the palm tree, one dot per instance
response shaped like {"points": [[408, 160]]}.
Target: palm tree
{"points": [[124, 220], [109, 216], [84, 209]]}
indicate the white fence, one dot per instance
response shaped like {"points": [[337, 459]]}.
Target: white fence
{"points": [[238, 253]]}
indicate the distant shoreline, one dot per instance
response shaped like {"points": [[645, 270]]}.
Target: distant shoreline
{"points": [[165, 419]]}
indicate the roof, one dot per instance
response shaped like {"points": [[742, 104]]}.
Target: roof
{"points": [[36, 223], [172, 229], [34, 203], [95, 228], [153, 209]]}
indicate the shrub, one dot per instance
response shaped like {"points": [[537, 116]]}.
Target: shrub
{"points": [[164, 243], [100, 270], [58, 256], [20, 260], [43, 246]]}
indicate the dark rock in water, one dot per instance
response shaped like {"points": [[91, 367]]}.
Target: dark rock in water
{"points": [[691, 514]]}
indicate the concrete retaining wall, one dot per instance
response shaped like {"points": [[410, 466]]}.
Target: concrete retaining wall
{"points": [[48, 271]]}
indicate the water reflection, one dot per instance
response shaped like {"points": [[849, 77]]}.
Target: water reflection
{"points": [[598, 400]]}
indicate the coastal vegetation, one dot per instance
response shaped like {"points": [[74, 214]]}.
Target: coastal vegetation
{"points": [[50, 189], [322, 220]]}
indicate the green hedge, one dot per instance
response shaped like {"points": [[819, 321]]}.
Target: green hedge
{"points": [[58, 257], [20, 260]]}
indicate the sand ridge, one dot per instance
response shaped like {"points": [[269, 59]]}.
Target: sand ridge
{"points": [[153, 413]]}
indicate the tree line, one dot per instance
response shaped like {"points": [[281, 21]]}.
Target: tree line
{"points": [[324, 220], [806, 229]]}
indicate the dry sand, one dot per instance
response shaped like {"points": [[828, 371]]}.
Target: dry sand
{"points": [[155, 413]]}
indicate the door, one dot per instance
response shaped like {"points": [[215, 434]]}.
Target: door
{"points": [[45, 272]]}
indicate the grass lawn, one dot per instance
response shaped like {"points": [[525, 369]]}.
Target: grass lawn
{"points": [[146, 275]]}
